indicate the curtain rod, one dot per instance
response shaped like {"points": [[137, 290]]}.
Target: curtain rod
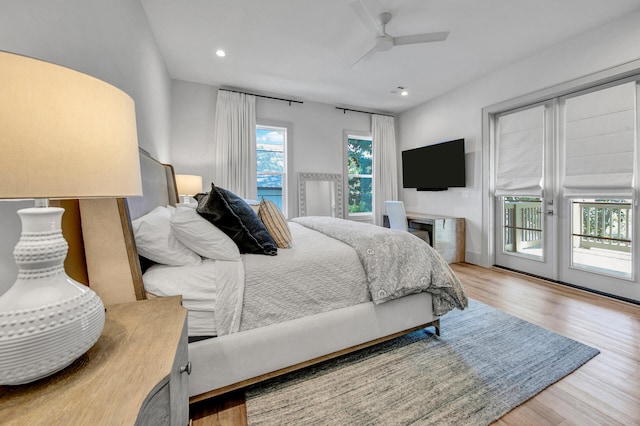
{"points": [[344, 111], [263, 96]]}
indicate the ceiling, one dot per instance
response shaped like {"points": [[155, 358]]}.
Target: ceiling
{"points": [[305, 49]]}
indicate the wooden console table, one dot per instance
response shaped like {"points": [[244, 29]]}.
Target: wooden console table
{"points": [[445, 234]]}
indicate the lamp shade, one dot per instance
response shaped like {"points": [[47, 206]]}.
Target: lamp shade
{"points": [[64, 134], [189, 184]]}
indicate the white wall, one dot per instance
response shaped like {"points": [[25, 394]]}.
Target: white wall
{"points": [[315, 133], [458, 114], [193, 108], [110, 40]]}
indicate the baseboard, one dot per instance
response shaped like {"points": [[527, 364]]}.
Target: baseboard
{"points": [[589, 290], [475, 259]]}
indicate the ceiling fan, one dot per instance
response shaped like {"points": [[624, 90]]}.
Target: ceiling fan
{"points": [[384, 41]]}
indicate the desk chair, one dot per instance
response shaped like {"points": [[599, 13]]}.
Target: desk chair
{"points": [[397, 215]]}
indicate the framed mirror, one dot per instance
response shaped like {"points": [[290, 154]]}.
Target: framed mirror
{"points": [[320, 194]]}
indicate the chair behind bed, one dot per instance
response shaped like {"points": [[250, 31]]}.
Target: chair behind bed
{"points": [[113, 265]]}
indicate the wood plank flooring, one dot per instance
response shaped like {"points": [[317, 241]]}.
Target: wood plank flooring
{"points": [[605, 391]]}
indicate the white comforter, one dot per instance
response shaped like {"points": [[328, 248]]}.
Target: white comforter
{"points": [[396, 263], [317, 274]]}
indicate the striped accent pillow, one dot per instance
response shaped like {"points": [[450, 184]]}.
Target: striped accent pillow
{"points": [[275, 223]]}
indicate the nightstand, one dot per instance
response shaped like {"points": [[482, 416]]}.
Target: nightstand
{"points": [[137, 373]]}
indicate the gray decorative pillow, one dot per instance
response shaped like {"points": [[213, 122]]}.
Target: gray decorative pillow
{"points": [[233, 216]]}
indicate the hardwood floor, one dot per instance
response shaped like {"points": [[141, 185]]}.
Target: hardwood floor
{"points": [[224, 410], [605, 391]]}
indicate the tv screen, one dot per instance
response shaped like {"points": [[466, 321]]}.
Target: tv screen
{"points": [[434, 167]]}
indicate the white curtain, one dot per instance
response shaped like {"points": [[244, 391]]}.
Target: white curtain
{"points": [[520, 150], [235, 142], [600, 142], [385, 166]]}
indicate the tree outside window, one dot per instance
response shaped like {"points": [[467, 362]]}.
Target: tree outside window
{"points": [[360, 171]]}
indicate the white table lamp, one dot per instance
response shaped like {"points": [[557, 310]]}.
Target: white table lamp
{"points": [[63, 135], [188, 185]]}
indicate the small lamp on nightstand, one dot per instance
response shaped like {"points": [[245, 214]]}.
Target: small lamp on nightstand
{"points": [[63, 134], [188, 185]]}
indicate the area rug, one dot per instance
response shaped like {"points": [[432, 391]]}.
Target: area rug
{"points": [[484, 364]]}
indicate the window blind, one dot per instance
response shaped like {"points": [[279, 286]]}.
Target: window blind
{"points": [[520, 148], [600, 142]]}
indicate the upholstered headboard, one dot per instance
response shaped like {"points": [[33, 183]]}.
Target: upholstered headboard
{"points": [[113, 265], [158, 187]]}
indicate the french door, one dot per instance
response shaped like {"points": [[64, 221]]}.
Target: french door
{"points": [[524, 190], [598, 157], [564, 179]]}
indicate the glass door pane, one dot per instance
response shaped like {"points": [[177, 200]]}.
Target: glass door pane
{"points": [[523, 226], [602, 236], [524, 235]]}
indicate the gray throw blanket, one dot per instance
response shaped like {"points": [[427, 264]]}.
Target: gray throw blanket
{"points": [[396, 262]]}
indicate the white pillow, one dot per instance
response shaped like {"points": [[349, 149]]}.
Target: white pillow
{"points": [[156, 241], [192, 204], [202, 236]]}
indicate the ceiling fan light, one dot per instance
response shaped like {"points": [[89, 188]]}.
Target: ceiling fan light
{"points": [[384, 43], [221, 53], [404, 93]]}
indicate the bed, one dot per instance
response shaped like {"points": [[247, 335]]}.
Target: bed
{"points": [[249, 348]]}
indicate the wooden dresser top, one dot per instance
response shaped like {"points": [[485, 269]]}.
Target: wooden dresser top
{"points": [[108, 384]]}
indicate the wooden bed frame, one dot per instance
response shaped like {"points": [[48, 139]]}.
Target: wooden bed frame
{"points": [[233, 361]]}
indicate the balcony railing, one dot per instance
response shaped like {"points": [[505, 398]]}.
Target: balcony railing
{"points": [[522, 225], [602, 225]]}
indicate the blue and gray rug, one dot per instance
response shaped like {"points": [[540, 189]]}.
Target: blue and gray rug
{"points": [[485, 364]]}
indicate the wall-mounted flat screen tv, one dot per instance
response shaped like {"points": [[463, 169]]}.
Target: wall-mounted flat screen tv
{"points": [[434, 167]]}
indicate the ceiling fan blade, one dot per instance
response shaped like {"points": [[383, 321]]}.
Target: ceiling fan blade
{"points": [[364, 57], [420, 38], [365, 16]]}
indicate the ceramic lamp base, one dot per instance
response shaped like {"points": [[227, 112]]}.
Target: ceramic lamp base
{"points": [[47, 320]]}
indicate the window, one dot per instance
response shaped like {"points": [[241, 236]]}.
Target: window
{"points": [[522, 226], [360, 175], [271, 164], [601, 235]]}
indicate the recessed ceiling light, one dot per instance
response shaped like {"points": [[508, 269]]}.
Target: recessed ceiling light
{"points": [[221, 53], [403, 91]]}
